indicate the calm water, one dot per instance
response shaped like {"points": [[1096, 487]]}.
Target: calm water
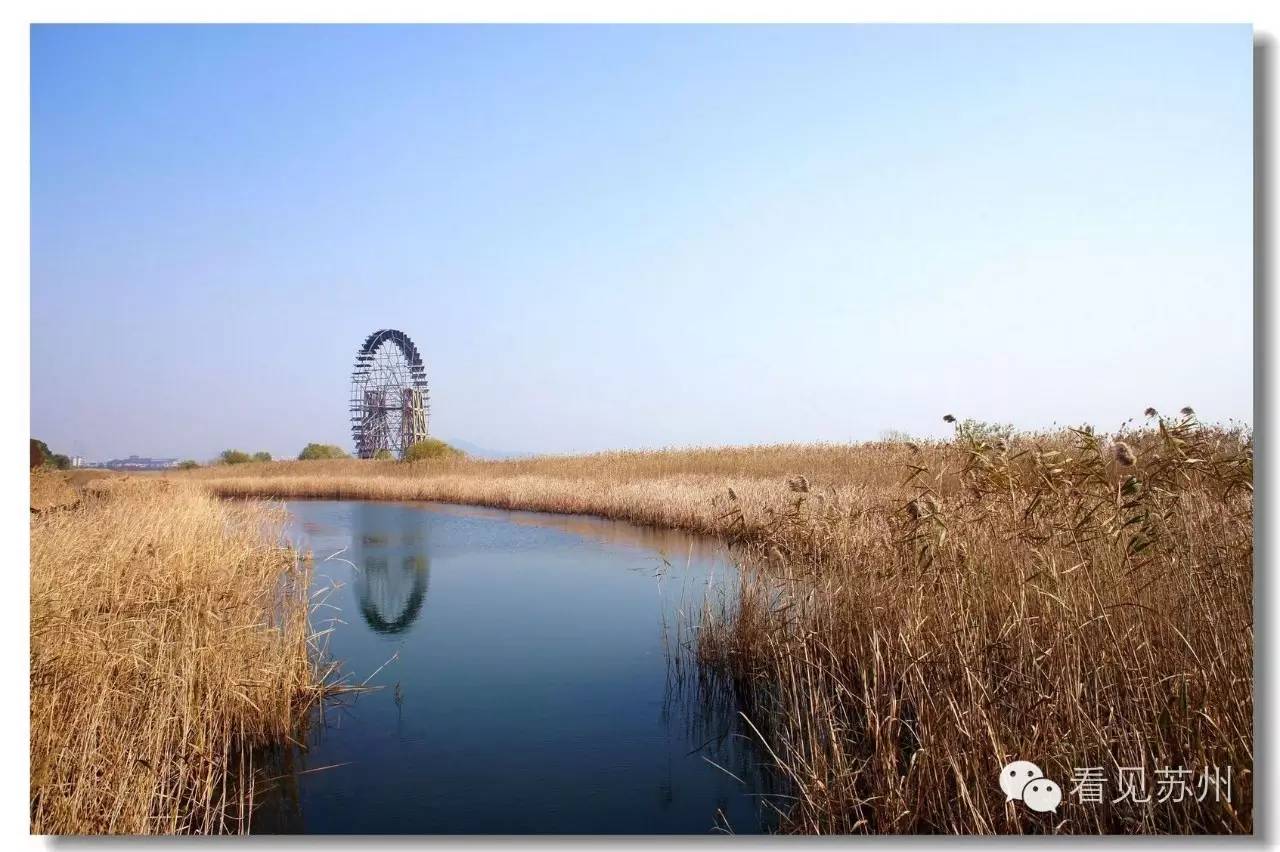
{"points": [[526, 685]]}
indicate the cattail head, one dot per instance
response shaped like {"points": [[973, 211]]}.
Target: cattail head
{"points": [[1150, 412], [1124, 454], [1188, 411], [950, 418]]}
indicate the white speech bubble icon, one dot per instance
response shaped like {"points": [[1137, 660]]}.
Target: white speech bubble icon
{"points": [[1042, 795], [1015, 776]]}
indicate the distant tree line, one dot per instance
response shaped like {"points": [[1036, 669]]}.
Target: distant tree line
{"points": [[426, 450]]}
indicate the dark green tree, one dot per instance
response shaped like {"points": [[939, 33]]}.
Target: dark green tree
{"points": [[42, 456]]}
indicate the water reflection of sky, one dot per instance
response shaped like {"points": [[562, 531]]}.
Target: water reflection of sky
{"points": [[527, 688]]}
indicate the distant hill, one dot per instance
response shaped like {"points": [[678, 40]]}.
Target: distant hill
{"points": [[483, 452]]}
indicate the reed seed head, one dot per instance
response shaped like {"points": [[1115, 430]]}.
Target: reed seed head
{"points": [[1124, 454]]}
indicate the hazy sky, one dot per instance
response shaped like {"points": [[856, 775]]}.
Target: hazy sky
{"points": [[617, 237]]}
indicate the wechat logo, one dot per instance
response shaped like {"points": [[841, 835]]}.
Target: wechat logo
{"points": [[1023, 780]]}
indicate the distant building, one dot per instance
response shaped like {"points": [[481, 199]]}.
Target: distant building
{"points": [[139, 463], [77, 461]]}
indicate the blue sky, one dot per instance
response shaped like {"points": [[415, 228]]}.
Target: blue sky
{"points": [[606, 237]]}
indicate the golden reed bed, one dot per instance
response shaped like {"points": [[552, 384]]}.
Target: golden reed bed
{"points": [[914, 616], [1082, 603], [169, 639], [683, 489]]}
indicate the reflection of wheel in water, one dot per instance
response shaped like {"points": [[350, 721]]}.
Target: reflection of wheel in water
{"points": [[391, 599]]}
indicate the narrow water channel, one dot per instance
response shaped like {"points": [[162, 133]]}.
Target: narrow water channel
{"points": [[526, 684]]}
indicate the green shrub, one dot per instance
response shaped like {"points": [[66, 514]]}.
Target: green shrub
{"points": [[429, 449], [383, 455], [189, 464], [234, 457], [321, 451], [42, 456], [262, 456]]}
